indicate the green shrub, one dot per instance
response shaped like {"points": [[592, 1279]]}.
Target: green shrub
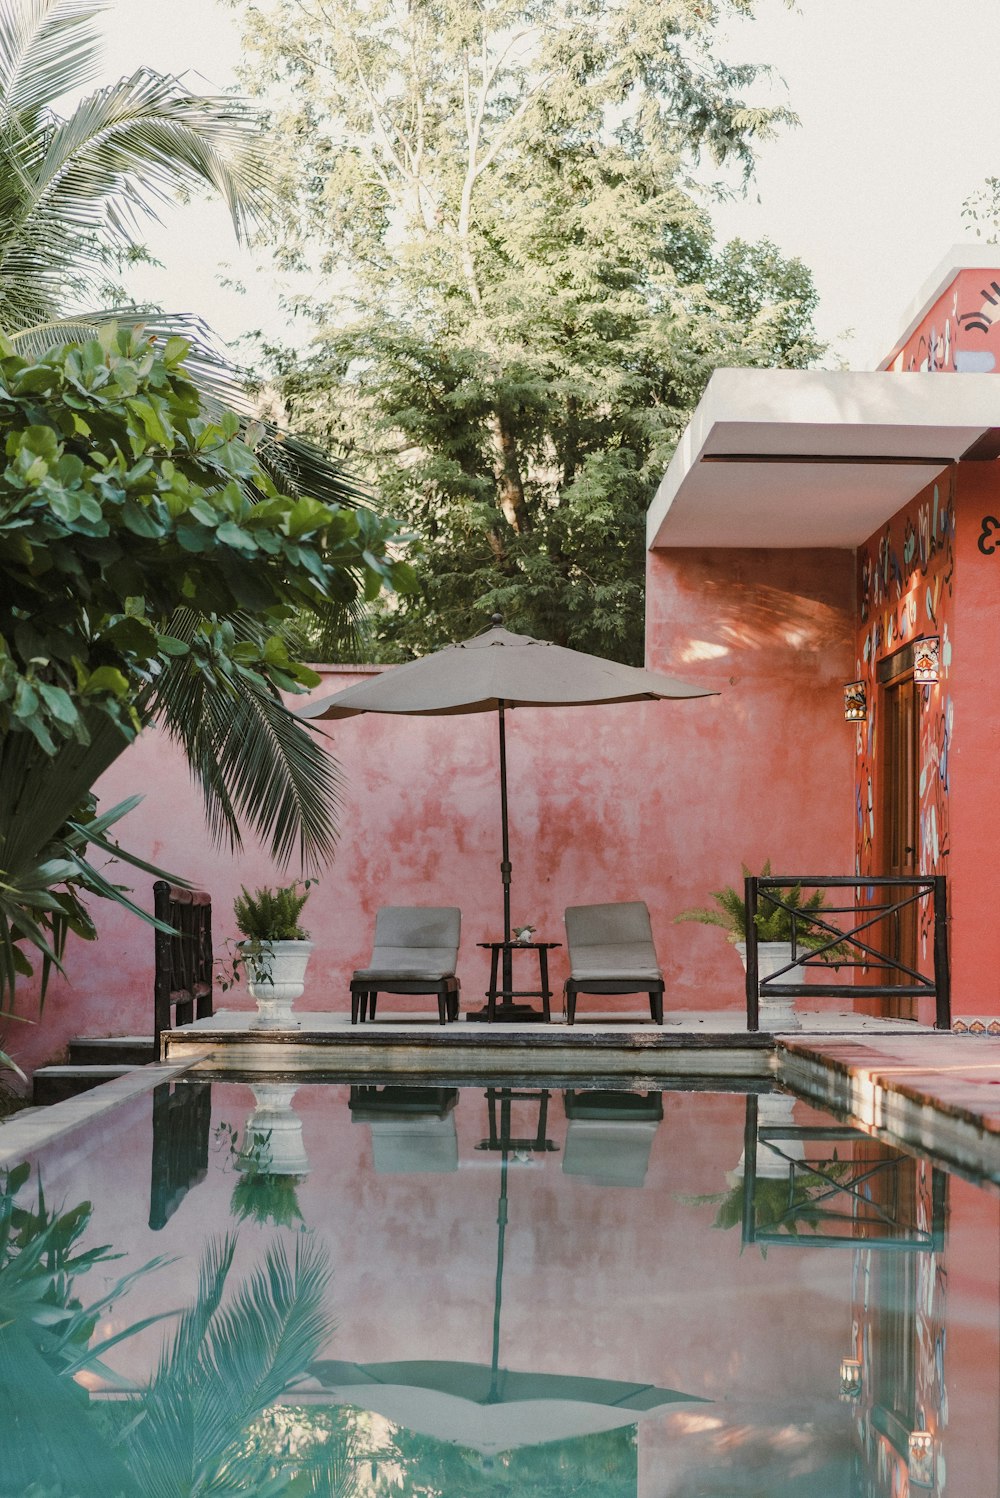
{"points": [[272, 914], [772, 922]]}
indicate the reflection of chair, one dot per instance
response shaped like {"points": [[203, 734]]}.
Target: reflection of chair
{"points": [[611, 951], [609, 1135], [413, 1128], [416, 951]]}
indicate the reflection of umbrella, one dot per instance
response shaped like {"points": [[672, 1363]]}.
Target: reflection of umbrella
{"points": [[481, 1405], [490, 673], [463, 1403]]}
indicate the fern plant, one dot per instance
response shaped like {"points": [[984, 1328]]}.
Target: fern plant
{"points": [[773, 923], [272, 914]]}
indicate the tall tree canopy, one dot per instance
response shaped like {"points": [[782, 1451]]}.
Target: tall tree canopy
{"points": [[520, 301], [141, 582]]}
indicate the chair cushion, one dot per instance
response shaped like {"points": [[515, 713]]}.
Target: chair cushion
{"points": [[414, 944], [418, 926], [433, 963], [636, 960], [608, 942], [601, 925]]}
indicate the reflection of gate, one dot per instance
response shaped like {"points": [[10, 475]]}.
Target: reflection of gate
{"points": [[182, 1115], [866, 1200]]}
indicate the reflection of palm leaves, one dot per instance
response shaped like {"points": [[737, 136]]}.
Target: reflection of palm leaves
{"points": [[601, 1465], [225, 1365], [49, 1436]]}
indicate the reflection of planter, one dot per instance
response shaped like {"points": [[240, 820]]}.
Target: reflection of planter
{"points": [[276, 973], [273, 1160], [774, 1110], [277, 1129], [776, 1012]]}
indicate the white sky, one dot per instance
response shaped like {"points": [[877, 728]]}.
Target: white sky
{"points": [[900, 124]]}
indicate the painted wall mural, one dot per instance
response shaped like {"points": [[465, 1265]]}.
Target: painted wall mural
{"points": [[906, 576], [960, 334]]}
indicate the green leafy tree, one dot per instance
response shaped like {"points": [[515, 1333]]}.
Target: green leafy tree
{"points": [[141, 582], [522, 300]]}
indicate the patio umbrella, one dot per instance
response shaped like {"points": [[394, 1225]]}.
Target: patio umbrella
{"points": [[492, 672]]}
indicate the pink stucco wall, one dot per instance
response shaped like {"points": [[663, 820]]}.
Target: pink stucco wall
{"points": [[655, 801], [764, 771], [975, 747]]}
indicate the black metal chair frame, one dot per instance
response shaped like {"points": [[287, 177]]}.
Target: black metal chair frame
{"points": [[652, 987], [364, 995]]}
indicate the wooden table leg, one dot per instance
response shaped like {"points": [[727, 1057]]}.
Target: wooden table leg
{"points": [[491, 995], [543, 968]]}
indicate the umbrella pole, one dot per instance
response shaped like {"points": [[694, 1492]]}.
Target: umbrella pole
{"points": [[494, 1393], [505, 844]]}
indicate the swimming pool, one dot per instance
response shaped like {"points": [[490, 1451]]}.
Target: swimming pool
{"points": [[496, 1289]]}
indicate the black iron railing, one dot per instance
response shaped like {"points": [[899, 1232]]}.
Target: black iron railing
{"points": [[841, 948]]}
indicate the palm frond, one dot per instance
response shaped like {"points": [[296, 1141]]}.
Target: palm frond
{"points": [[252, 758], [72, 188], [131, 145], [46, 47]]}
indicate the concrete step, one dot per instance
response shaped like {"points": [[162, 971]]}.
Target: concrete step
{"points": [[111, 1050], [53, 1084]]}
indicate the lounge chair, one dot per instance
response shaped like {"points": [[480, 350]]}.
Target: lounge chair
{"points": [[609, 1135], [416, 951], [611, 951], [412, 1128]]}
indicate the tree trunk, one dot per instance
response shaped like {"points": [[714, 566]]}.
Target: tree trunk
{"points": [[510, 486]]}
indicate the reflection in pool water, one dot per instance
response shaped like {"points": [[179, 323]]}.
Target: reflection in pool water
{"points": [[494, 1290]]}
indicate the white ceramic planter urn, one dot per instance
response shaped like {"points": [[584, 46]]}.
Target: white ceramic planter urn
{"points": [[276, 973], [777, 1013]]}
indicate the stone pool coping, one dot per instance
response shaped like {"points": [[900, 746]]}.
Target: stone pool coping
{"points": [[940, 1093], [24, 1132]]}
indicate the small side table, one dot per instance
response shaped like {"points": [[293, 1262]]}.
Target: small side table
{"points": [[502, 959]]}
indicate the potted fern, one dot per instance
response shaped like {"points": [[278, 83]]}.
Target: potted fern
{"points": [[774, 927], [275, 950]]}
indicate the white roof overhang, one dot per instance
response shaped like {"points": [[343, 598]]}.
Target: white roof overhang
{"points": [[820, 458]]}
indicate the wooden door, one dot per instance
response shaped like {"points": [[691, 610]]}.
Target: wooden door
{"points": [[900, 823]]}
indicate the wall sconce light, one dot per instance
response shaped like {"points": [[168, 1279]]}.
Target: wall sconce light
{"points": [[855, 702], [920, 1458], [850, 1380], [926, 661]]}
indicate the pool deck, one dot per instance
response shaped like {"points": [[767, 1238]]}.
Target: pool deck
{"points": [[710, 1044]]}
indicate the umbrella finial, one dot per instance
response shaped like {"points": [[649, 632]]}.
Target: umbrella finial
{"points": [[496, 620]]}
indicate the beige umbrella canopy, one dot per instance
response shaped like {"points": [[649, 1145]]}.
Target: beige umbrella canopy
{"points": [[490, 673]]}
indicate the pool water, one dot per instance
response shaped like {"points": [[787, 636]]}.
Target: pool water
{"points": [[343, 1289]]}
